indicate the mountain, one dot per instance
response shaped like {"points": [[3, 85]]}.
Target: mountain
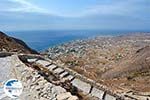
{"points": [[137, 64], [11, 44]]}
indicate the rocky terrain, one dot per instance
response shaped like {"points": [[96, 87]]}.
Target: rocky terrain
{"points": [[138, 63], [10, 44], [101, 68], [35, 86], [121, 63], [17, 61]]}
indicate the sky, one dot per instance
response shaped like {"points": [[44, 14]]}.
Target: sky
{"points": [[74, 14]]}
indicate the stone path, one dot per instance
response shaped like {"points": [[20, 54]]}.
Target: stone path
{"points": [[48, 91], [85, 86], [35, 86], [80, 84]]}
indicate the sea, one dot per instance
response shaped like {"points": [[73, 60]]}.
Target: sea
{"points": [[41, 40]]}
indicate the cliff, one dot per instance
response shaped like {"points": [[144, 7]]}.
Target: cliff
{"points": [[11, 44]]}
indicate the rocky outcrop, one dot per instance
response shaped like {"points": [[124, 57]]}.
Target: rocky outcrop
{"points": [[11, 44]]}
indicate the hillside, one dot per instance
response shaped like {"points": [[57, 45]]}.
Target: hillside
{"points": [[105, 68], [11, 44], [138, 63], [122, 63]]}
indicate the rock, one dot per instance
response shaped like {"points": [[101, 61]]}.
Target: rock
{"points": [[63, 96], [58, 70], [85, 87], [31, 60], [51, 67], [42, 98], [97, 93], [43, 62], [63, 74], [58, 90], [69, 77], [109, 97], [47, 86], [73, 98]]}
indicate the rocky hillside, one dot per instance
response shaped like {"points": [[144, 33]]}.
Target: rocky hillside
{"points": [[11, 44], [138, 63], [121, 63]]}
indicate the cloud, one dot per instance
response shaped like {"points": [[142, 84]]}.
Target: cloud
{"points": [[131, 8], [114, 14], [22, 6], [115, 7], [25, 6]]}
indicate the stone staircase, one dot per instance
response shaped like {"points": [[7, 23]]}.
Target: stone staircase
{"points": [[87, 86], [82, 83]]}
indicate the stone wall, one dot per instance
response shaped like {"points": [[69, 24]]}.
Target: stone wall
{"points": [[87, 86]]}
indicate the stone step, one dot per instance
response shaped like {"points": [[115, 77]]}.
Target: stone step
{"points": [[32, 60], [52, 67], [69, 77], [64, 74], [59, 70], [109, 97], [83, 86], [43, 62], [97, 93]]}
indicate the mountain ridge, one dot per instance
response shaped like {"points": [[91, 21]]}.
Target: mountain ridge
{"points": [[11, 44]]}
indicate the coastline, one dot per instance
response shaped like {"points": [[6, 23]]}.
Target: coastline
{"points": [[101, 63]]}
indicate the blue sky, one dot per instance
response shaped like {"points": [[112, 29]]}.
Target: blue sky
{"points": [[74, 14]]}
